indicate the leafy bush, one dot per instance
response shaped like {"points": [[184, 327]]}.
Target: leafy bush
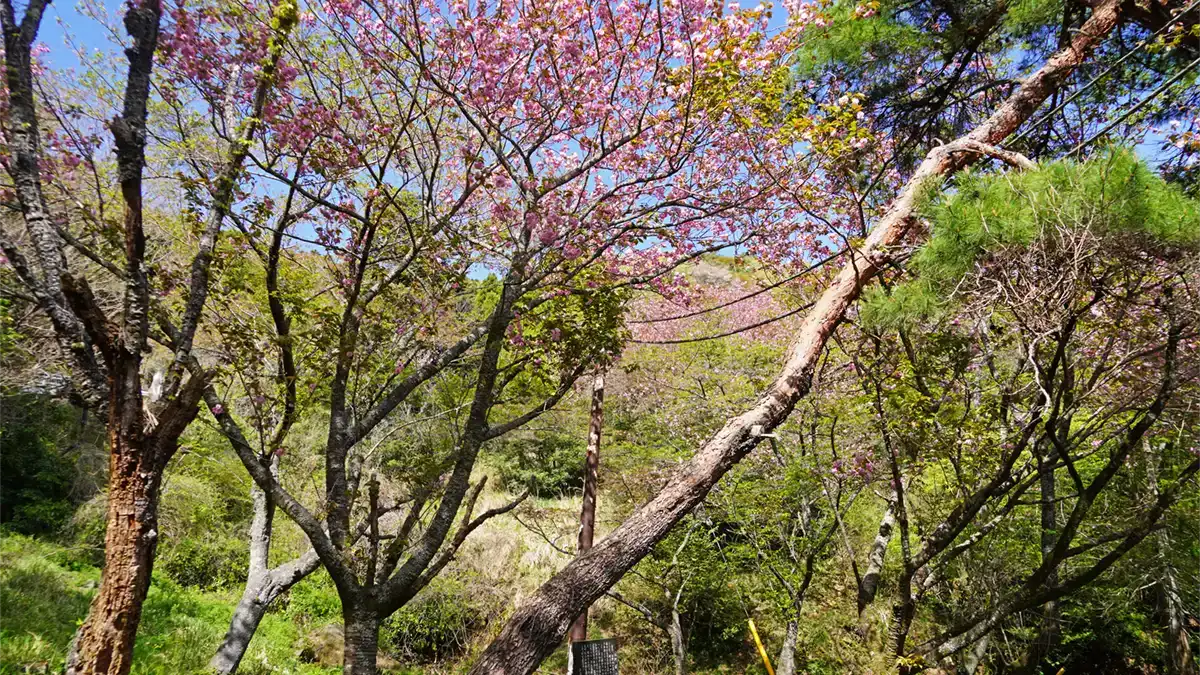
{"points": [[437, 624], [204, 563], [313, 600], [547, 464], [41, 443], [203, 519]]}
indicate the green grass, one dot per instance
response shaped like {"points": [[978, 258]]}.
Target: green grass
{"points": [[44, 595]]}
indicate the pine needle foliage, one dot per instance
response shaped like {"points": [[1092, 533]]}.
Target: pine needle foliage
{"points": [[1115, 196]]}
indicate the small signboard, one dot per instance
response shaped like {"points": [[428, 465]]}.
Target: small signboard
{"points": [[594, 657]]}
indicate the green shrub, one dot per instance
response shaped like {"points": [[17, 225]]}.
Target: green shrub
{"points": [[547, 464], [313, 600], [41, 444], [437, 624], [203, 525], [204, 563]]}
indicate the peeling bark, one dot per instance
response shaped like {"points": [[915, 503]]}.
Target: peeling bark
{"points": [[104, 643]]}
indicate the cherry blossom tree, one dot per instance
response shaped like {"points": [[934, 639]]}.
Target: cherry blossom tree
{"points": [[570, 151]]}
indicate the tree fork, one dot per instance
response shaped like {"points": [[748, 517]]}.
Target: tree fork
{"points": [[263, 584], [540, 624]]}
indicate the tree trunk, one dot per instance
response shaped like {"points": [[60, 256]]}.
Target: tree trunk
{"points": [[246, 617], [104, 643], [252, 606], [361, 644], [260, 592], [875, 559], [1048, 631], [1179, 659], [540, 624], [587, 516], [975, 655], [678, 643], [263, 585], [1178, 656], [903, 612], [786, 664]]}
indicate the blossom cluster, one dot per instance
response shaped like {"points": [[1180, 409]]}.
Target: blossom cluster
{"points": [[630, 132]]}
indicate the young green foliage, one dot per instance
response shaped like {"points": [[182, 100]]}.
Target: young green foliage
{"points": [[1115, 197]]}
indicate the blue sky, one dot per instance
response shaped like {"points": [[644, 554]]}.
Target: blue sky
{"points": [[66, 16]]}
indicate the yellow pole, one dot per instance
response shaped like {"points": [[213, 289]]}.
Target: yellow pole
{"points": [[761, 651]]}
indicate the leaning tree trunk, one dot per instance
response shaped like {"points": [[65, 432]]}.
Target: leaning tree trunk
{"points": [[786, 663], [253, 605], [263, 585], [104, 643], [260, 592], [540, 624], [247, 615], [361, 633]]}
